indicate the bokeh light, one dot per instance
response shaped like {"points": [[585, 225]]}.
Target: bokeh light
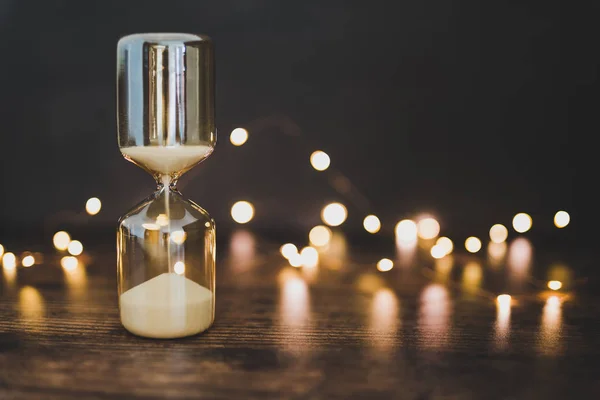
{"points": [[522, 222], [498, 233], [178, 237], [238, 136], [320, 160], [428, 228], [319, 235], [309, 257], [1, 250], [69, 263], [445, 244], [288, 250], [406, 230], [504, 300], [334, 214], [179, 267], [472, 244], [61, 240], [554, 285], [437, 252], [372, 224], [28, 261], [162, 220], [75, 248], [561, 219], [385, 264], [242, 212], [93, 206], [295, 260], [9, 261]]}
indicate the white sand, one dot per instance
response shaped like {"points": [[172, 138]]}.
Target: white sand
{"points": [[166, 159], [167, 306]]}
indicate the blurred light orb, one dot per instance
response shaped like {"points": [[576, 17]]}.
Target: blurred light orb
{"points": [[522, 222], [472, 244], [93, 206], [162, 220], [238, 136], [1, 250], [179, 267], [69, 263], [385, 264], [406, 230], [61, 240], [334, 214], [320, 160], [428, 228], [554, 285], [242, 212], [178, 237], [437, 252], [295, 260], [28, 261], [504, 300], [561, 219], [553, 301], [288, 250], [309, 257], [446, 244], [151, 227], [319, 235], [75, 248], [9, 261], [498, 233], [372, 224]]}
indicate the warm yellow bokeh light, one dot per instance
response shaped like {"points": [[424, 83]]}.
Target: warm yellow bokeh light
{"points": [[178, 237], [504, 300], [1, 250], [561, 219], [61, 240], [28, 261], [295, 260], [288, 250], [151, 227], [309, 257], [334, 214], [93, 206], [179, 267], [406, 230], [319, 235], [554, 285], [9, 261], [372, 224], [242, 212], [522, 222], [320, 160], [75, 248], [69, 263], [428, 228], [446, 244], [472, 244], [162, 220], [498, 233], [438, 252], [238, 136], [385, 264]]}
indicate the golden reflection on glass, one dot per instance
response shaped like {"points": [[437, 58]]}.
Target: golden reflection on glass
{"points": [[443, 268], [384, 319], [496, 253], [434, 316], [179, 268], [76, 280], [242, 250], [471, 277], [520, 253], [31, 307], [335, 255], [550, 326], [502, 326]]}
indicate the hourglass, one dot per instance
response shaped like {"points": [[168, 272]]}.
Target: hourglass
{"points": [[166, 244]]}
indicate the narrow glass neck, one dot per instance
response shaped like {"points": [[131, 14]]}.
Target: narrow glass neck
{"points": [[166, 181]]}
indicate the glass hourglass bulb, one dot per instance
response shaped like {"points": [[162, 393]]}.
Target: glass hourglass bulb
{"points": [[166, 244]]}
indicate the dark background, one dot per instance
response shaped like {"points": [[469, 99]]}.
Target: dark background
{"points": [[466, 110]]}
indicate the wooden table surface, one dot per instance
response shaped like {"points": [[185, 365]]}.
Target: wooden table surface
{"points": [[426, 329]]}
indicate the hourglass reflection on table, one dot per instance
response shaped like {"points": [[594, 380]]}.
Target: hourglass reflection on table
{"points": [[166, 244]]}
